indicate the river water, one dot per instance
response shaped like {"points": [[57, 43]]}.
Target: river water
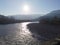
{"points": [[17, 34]]}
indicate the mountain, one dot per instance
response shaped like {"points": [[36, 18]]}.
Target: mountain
{"points": [[46, 28], [51, 15], [2, 16], [6, 20], [26, 17]]}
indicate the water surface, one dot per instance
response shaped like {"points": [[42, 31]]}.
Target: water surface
{"points": [[14, 34]]}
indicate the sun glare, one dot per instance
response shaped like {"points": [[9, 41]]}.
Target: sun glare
{"points": [[26, 9]]}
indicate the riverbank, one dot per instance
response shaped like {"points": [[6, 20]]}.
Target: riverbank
{"points": [[45, 30], [49, 32]]}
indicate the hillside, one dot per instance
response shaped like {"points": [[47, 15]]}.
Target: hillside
{"points": [[51, 14], [49, 26], [7, 20], [51, 18], [26, 17]]}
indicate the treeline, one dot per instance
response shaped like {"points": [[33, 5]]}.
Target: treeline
{"points": [[54, 20], [6, 20]]}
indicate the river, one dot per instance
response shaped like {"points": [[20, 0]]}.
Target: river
{"points": [[17, 34]]}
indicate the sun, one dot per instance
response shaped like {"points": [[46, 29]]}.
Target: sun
{"points": [[26, 9]]}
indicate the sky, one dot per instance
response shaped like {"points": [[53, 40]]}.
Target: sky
{"points": [[13, 7]]}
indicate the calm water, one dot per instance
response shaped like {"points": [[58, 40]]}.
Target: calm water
{"points": [[17, 34]]}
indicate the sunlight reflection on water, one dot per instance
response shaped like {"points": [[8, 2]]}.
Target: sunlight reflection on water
{"points": [[24, 31], [24, 28], [17, 34], [26, 35]]}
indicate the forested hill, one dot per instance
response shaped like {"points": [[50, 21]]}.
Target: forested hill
{"points": [[7, 20]]}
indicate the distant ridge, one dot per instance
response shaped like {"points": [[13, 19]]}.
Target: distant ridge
{"points": [[52, 14], [26, 17]]}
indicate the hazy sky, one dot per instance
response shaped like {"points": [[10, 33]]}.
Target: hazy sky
{"points": [[12, 7]]}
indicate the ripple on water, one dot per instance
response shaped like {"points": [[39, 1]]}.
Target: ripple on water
{"points": [[17, 34]]}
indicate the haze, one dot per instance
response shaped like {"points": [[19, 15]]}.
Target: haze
{"points": [[13, 7]]}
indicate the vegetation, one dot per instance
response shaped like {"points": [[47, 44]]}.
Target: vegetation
{"points": [[6, 20], [54, 20]]}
